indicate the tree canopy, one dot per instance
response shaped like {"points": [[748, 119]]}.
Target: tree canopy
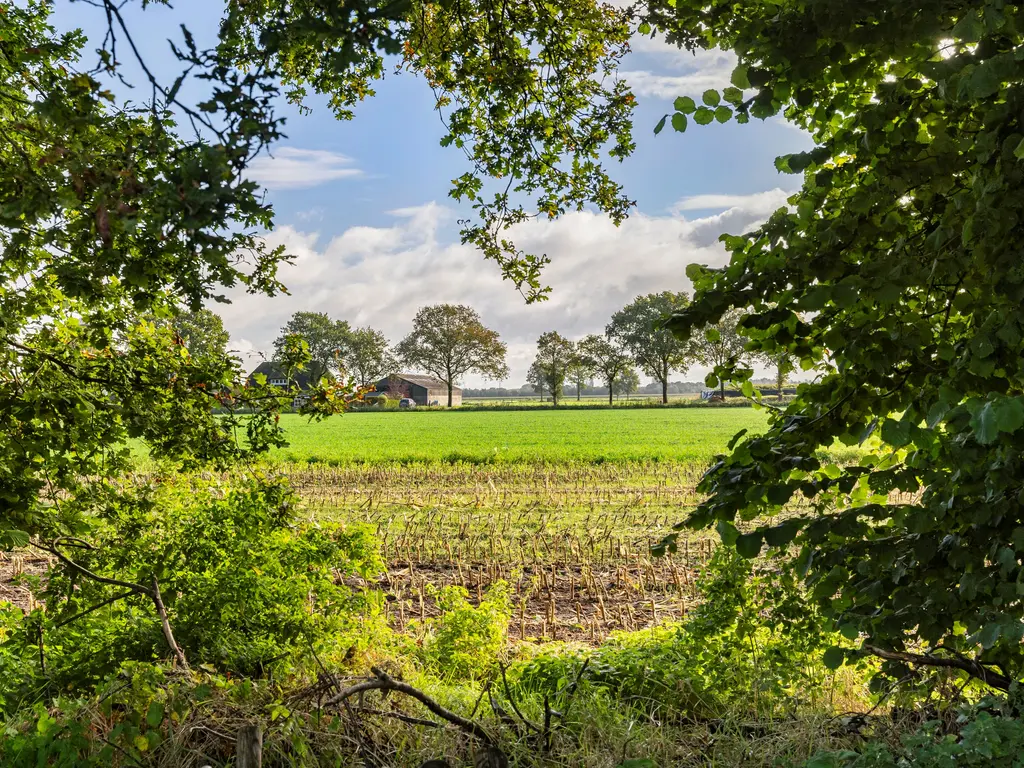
{"points": [[640, 328], [609, 359], [449, 341], [555, 355], [202, 332], [896, 268], [368, 356], [326, 339]]}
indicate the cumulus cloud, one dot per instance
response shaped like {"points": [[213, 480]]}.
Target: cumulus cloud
{"points": [[676, 72], [295, 168], [380, 276]]}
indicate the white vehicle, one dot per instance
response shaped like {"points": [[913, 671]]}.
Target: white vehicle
{"points": [[406, 402]]}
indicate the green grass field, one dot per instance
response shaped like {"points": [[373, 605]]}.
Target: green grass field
{"points": [[569, 435]]}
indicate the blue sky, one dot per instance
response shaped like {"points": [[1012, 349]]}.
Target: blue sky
{"points": [[364, 204]]}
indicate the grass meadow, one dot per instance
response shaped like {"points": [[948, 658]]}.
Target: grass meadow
{"points": [[689, 435]]}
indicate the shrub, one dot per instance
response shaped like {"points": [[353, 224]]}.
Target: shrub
{"points": [[994, 739], [465, 641], [244, 583]]}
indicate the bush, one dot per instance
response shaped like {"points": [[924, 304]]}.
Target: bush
{"points": [[465, 641], [984, 737], [244, 584]]}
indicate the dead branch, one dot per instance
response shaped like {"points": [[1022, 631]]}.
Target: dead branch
{"points": [[973, 668], [152, 592], [384, 682]]}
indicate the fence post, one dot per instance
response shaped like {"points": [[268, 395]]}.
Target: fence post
{"points": [[249, 747]]}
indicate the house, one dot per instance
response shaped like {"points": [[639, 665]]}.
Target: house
{"points": [[276, 376], [424, 390]]}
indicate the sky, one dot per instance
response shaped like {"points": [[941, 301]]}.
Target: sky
{"points": [[363, 205]]}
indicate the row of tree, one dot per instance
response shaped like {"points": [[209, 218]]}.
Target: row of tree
{"points": [[637, 336], [449, 341]]}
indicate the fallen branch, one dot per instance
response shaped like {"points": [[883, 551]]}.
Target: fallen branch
{"points": [[384, 682], [973, 668]]}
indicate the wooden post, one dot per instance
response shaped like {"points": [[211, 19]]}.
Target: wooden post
{"points": [[249, 747]]}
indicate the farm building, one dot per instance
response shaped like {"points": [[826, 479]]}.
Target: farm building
{"points": [[424, 390], [276, 377]]}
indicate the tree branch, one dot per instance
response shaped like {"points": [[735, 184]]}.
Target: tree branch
{"points": [[973, 668], [385, 682]]}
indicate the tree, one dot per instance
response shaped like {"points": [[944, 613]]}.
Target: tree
{"points": [[721, 345], [783, 364], [609, 358], [554, 356], [545, 141], [535, 378], [627, 382], [899, 260], [368, 356], [580, 371], [449, 341], [327, 340], [640, 328], [202, 332]]}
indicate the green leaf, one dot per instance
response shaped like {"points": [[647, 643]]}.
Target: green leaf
{"points": [[739, 77], [141, 743], [748, 545], [711, 97], [155, 714], [1019, 151], [970, 28], [660, 125], [712, 335], [733, 95], [679, 122], [685, 104], [703, 116], [728, 532], [723, 114], [638, 762], [834, 657], [989, 635], [985, 424]]}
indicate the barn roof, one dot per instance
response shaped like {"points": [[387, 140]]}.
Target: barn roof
{"points": [[273, 370], [430, 382]]}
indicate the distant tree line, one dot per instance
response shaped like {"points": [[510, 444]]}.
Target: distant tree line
{"points": [[449, 341], [637, 338]]}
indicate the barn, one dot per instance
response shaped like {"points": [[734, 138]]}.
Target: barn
{"points": [[423, 389]]}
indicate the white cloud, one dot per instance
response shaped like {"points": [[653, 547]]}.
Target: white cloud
{"points": [[295, 168], [380, 276], [676, 72], [758, 203]]}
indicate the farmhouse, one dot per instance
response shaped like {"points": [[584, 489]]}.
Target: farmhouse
{"points": [[276, 376], [424, 390]]}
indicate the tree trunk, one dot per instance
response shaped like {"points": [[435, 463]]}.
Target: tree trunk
{"points": [[721, 388], [611, 390], [780, 380], [664, 384], [449, 394], [249, 747]]}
